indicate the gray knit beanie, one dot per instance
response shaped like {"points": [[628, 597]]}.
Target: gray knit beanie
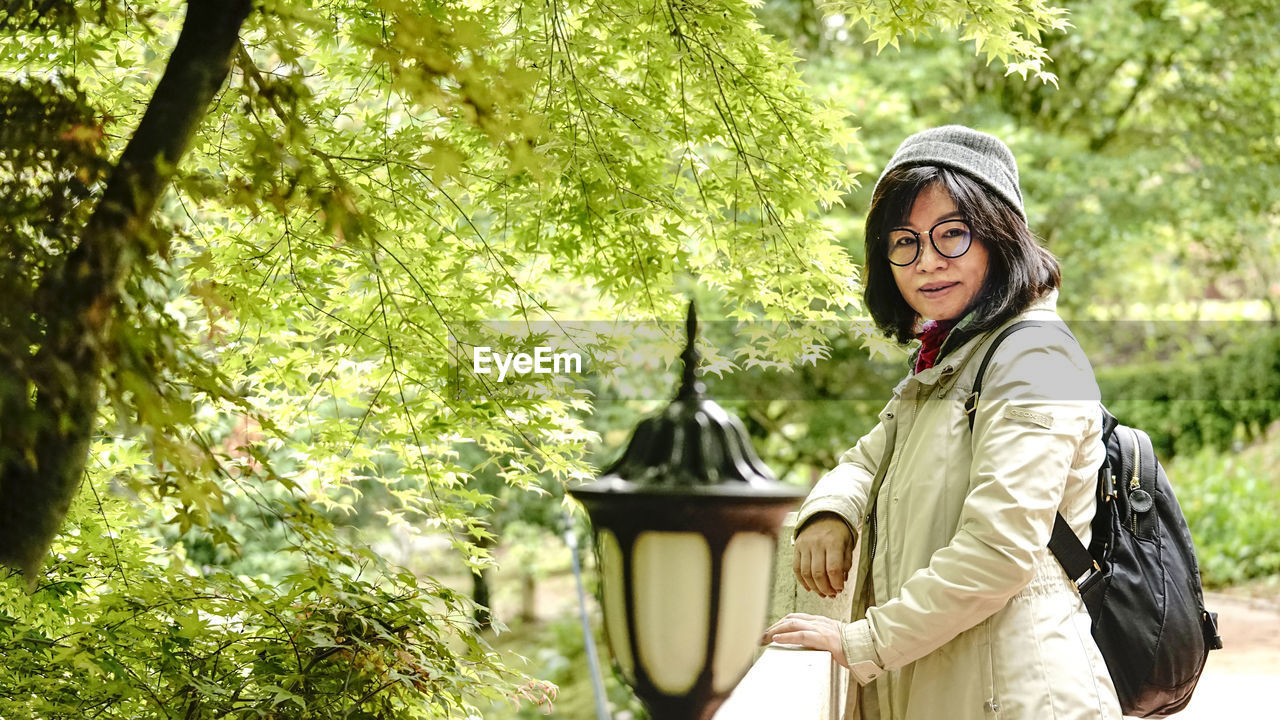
{"points": [[981, 156]]}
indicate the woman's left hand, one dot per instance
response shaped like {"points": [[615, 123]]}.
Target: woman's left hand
{"points": [[812, 631]]}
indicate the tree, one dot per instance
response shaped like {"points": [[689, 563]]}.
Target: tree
{"points": [[379, 188], [1146, 164], [63, 306], [331, 225]]}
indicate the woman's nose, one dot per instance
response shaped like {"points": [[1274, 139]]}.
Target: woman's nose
{"points": [[930, 258]]}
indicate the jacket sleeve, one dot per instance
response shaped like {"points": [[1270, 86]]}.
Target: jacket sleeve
{"points": [[1039, 403], [844, 489]]}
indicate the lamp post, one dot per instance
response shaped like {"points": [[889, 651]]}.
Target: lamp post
{"points": [[685, 523]]}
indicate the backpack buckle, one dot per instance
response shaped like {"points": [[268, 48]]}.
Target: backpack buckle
{"points": [[1108, 489], [971, 403], [1089, 579]]}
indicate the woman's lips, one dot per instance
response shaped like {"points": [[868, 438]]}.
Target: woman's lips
{"points": [[936, 290]]}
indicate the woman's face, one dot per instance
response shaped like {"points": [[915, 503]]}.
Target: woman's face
{"points": [[935, 286]]}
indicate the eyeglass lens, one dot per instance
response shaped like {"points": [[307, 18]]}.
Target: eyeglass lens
{"points": [[951, 238]]}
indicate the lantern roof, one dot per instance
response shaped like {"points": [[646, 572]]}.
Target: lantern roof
{"points": [[693, 447]]}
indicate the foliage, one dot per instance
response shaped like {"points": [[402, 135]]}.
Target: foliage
{"points": [[285, 344], [561, 658], [283, 347], [1008, 32], [134, 633], [1214, 402], [1144, 167], [1160, 105], [401, 232], [803, 420], [1231, 501]]}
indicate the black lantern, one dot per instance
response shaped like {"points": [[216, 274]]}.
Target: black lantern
{"points": [[686, 523]]}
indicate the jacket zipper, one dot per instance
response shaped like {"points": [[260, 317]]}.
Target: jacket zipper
{"points": [[872, 552], [875, 525]]}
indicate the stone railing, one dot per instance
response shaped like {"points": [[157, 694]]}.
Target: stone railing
{"points": [[788, 682]]}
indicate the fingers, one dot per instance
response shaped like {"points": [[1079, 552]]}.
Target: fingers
{"points": [[824, 556], [798, 622], [800, 565], [818, 572], [804, 638], [810, 567], [793, 620], [837, 570], [827, 571], [811, 631]]}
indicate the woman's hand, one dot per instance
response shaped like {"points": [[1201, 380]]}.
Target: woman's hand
{"points": [[824, 555], [812, 631]]}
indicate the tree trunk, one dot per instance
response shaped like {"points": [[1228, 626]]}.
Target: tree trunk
{"points": [[480, 594], [528, 597], [482, 584], [42, 452]]}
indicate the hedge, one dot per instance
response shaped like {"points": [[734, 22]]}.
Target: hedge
{"points": [[1213, 402]]}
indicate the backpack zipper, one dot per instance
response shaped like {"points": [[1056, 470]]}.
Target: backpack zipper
{"points": [[1135, 482]]}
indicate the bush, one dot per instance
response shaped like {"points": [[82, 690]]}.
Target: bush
{"points": [[121, 627], [1210, 403], [560, 658], [1231, 502]]}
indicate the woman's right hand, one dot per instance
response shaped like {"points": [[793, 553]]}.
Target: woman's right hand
{"points": [[824, 555]]}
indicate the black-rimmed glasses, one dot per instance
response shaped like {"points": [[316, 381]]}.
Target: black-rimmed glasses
{"points": [[951, 238]]}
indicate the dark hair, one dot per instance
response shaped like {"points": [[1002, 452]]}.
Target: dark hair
{"points": [[1019, 270]]}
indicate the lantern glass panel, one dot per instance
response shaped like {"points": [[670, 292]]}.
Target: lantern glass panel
{"points": [[744, 606], [672, 586], [615, 607]]}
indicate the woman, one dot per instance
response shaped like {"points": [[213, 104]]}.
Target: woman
{"points": [[960, 610]]}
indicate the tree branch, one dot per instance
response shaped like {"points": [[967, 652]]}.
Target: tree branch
{"points": [[1150, 69]]}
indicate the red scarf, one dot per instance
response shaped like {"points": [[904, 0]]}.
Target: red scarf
{"points": [[932, 336]]}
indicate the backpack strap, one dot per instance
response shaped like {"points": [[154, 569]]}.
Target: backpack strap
{"points": [[1072, 555], [971, 402], [1081, 567]]}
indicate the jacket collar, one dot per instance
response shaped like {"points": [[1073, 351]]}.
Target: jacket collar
{"points": [[963, 341]]}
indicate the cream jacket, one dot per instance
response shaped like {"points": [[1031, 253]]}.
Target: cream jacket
{"points": [[970, 615]]}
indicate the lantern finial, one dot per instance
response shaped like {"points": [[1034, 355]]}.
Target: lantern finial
{"points": [[690, 388]]}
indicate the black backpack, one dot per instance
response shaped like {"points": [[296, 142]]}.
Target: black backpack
{"points": [[1139, 577]]}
